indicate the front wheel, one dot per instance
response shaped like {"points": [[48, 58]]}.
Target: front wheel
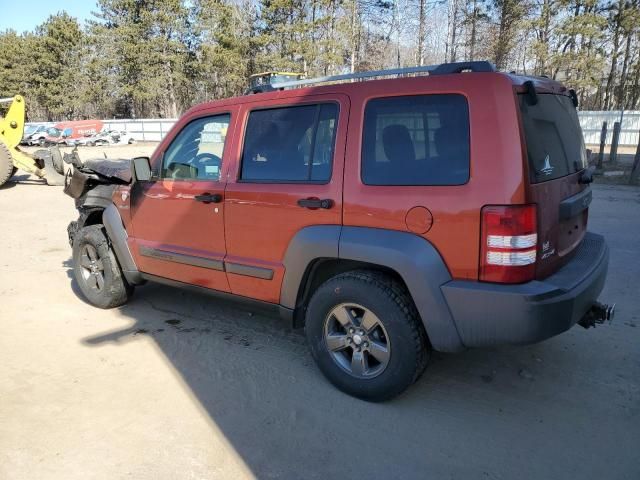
{"points": [[96, 269], [366, 335], [6, 164]]}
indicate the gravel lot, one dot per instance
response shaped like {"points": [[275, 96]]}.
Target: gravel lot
{"points": [[177, 385]]}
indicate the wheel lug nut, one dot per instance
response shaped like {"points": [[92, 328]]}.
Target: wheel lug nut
{"points": [[351, 330]]}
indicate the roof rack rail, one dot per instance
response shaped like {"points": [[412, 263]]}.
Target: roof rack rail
{"points": [[441, 69]]}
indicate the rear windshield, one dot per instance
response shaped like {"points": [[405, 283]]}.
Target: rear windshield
{"points": [[555, 146]]}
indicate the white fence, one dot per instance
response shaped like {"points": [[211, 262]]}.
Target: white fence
{"points": [[154, 129], [145, 129], [591, 123]]}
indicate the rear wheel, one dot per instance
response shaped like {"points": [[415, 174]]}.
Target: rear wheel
{"points": [[366, 336], [96, 269], [6, 164]]}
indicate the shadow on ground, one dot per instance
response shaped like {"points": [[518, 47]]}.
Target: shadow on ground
{"points": [[255, 379]]}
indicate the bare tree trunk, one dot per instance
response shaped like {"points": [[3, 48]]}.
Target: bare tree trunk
{"points": [[635, 90], [544, 36], [329, 68], [173, 107], [474, 26], [354, 34], [454, 29], [614, 57], [421, 28], [623, 74], [501, 45]]}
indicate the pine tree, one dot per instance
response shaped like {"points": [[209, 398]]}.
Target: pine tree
{"points": [[56, 49]]}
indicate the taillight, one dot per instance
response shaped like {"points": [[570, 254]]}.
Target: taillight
{"points": [[509, 243]]}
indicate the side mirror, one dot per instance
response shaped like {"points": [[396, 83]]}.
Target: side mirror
{"points": [[141, 169]]}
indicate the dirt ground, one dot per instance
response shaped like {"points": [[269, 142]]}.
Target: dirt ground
{"points": [[177, 385]]}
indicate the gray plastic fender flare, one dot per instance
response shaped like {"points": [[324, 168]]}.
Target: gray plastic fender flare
{"points": [[414, 258], [118, 235]]}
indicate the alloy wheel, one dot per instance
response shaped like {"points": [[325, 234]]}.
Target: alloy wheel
{"points": [[357, 340], [92, 267]]}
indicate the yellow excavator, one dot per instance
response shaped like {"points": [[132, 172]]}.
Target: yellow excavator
{"points": [[45, 164]]}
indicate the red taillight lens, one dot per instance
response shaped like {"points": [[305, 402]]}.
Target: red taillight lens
{"points": [[509, 243]]}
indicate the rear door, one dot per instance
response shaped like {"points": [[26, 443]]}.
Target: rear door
{"points": [[290, 158], [556, 158]]}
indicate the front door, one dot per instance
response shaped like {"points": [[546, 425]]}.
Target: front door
{"points": [[178, 218]]}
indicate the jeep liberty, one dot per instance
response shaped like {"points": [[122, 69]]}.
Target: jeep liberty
{"points": [[388, 216]]}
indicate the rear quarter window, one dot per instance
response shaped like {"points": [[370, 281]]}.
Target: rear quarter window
{"points": [[554, 142], [416, 140]]}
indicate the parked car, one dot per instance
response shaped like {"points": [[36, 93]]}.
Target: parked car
{"points": [[107, 137], [388, 217], [66, 133], [35, 133]]}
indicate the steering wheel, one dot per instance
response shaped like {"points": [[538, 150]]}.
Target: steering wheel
{"points": [[204, 160], [207, 158]]}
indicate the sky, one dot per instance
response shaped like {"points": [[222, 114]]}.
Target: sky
{"points": [[25, 15]]}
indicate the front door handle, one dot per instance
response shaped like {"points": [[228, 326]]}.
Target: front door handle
{"points": [[209, 198], [314, 203]]}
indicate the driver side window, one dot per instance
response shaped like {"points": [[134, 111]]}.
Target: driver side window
{"points": [[196, 152]]}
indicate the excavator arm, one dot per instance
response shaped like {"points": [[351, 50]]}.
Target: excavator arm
{"points": [[11, 157]]}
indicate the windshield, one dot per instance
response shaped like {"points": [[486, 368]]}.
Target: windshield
{"points": [[555, 146], [30, 129], [54, 132]]}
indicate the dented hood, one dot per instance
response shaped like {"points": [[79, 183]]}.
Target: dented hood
{"points": [[113, 168]]}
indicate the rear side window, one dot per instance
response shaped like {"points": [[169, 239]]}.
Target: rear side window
{"points": [[416, 140], [290, 144], [555, 146]]}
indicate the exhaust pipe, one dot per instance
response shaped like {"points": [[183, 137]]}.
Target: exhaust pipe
{"points": [[598, 314]]}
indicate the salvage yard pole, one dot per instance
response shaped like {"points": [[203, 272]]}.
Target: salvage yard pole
{"points": [[635, 171], [613, 153], [603, 141]]}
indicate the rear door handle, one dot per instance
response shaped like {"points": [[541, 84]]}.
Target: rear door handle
{"points": [[314, 203], [208, 198]]}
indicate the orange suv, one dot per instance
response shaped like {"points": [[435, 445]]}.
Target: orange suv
{"points": [[444, 208]]}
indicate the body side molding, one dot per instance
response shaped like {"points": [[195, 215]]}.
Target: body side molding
{"points": [[176, 257], [248, 270], [118, 236]]}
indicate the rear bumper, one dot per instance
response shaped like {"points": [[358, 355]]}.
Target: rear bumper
{"points": [[490, 314]]}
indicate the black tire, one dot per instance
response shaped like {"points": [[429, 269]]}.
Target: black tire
{"points": [[6, 164], [114, 289], [404, 334], [56, 161]]}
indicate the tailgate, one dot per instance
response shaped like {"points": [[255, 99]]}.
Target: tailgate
{"points": [[556, 158]]}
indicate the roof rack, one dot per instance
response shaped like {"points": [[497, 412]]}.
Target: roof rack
{"points": [[441, 69]]}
